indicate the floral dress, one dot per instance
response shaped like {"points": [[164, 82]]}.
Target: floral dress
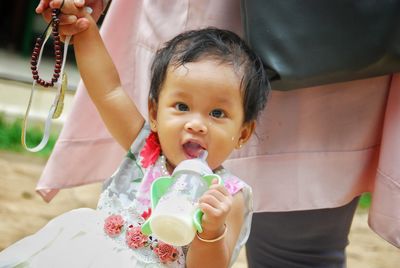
{"points": [[111, 236]]}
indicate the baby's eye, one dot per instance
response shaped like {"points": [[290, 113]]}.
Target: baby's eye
{"points": [[181, 107], [217, 113]]}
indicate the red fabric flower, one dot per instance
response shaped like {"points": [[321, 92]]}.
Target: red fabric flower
{"points": [[146, 214], [135, 238], [165, 252], [151, 150], [113, 225]]}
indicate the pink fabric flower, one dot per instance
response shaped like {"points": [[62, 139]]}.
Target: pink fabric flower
{"points": [[165, 252], [113, 225], [151, 150], [135, 238]]}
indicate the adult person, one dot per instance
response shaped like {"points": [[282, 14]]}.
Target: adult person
{"points": [[316, 151]]}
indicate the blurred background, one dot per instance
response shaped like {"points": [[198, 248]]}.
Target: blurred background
{"points": [[19, 28], [22, 211]]}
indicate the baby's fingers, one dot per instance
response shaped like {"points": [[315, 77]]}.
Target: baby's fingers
{"points": [[67, 19], [212, 211], [215, 203], [220, 188], [214, 193], [74, 28], [212, 199]]}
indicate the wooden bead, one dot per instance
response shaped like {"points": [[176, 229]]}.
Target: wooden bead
{"points": [[57, 53]]}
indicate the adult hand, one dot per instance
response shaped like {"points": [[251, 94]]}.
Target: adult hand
{"points": [[70, 24]]}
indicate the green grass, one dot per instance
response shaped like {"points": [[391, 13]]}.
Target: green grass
{"points": [[10, 137]]}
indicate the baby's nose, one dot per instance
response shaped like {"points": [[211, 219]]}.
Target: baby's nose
{"points": [[196, 125]]}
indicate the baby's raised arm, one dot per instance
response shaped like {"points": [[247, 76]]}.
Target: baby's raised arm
{"points": [[102, 81]]}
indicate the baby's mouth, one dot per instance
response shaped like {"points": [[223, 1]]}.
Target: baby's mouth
{"points": [[192, 149]]}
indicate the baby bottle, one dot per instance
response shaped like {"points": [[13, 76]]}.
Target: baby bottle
{"points": [[176, 217]]}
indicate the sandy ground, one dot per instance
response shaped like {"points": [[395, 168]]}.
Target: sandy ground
{"points": [[23, 212]]}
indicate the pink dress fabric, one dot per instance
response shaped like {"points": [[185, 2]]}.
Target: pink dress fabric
{"points": [[315, 147]]}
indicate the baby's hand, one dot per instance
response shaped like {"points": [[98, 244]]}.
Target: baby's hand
{"points": [[215, 204]]}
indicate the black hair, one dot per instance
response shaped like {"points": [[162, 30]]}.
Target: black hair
{"points": [[221, 45]]}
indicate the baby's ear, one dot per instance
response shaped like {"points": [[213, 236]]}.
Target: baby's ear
{"points": [[153, 114], [245, 133]]}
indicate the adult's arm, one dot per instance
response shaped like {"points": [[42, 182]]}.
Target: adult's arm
{"points": [[98, 72]]}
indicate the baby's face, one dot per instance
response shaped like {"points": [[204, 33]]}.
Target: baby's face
{"points": [[200, 108]]}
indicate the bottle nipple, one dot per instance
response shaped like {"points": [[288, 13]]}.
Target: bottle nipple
{"points": [[203, 155]]}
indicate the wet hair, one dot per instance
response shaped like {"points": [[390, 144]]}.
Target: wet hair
{"points": [[220, 45]]}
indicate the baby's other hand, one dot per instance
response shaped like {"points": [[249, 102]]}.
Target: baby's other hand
{"points": [[216, 204]]}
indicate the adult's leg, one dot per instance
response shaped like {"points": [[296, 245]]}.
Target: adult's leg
{"points": [[298, 239]]}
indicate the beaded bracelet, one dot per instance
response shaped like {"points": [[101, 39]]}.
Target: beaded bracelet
{"points": [[39, 44], [215, 239]]}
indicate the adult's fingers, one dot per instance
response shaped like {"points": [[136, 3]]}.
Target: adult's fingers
{"points": [[80, 3], [64, 19], [59, 3], [42, 6], [68, 7], [46, 14]]}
